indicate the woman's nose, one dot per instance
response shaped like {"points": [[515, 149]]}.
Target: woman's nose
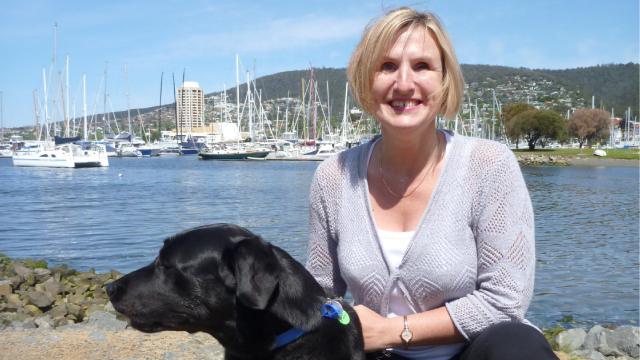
{"points": [[404, 80]]}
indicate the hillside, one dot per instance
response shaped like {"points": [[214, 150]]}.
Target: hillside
{"points": [[614, 85]]}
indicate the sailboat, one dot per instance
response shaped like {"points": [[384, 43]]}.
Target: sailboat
{"points": [[62, 152]]}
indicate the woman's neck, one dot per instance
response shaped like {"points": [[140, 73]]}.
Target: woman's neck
{"points": [[410, 152]]}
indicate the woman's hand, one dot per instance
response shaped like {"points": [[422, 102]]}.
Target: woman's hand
{"points": [[375, 329]]}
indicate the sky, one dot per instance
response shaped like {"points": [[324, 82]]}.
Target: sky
{"points": [[202, 39]]}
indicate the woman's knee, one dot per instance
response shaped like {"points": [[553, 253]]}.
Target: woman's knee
{"points": [[509, 340]]}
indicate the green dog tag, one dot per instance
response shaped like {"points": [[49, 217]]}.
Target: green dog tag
{"points": [[344, 318]]}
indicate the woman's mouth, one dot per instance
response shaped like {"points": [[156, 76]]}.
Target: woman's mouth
{"points": [[404, 104]]}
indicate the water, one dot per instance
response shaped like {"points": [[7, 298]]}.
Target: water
{"points": [[586, 221]]}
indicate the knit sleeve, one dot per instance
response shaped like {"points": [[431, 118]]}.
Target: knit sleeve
{"points": [[503, 225], [322, 257]]}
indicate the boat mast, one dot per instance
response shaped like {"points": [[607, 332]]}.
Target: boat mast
{"points": [[1, 120], [238, 96], [105, 114], [35, 108], [226, 111], [250, 97], [69, 114], [313, 102], [64, 114], [46, 108], [84, 107], [160, 110], [304, 116], [55, 36], [126, 80], [175, 104]]}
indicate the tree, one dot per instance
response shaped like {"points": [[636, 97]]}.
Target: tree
{"points": [[536, 125], [589, 125], [508, 113]]}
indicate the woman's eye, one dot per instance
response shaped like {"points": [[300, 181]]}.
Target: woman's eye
{"points": [[422, 66], [387, 67]]}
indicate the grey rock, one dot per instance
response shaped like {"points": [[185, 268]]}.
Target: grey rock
{"points": [[6, 289], [42, 272], [44, 322], [72, 327], [29, 324], [588, 354], [571, 340], [23, 271], [601, 340], [627, 340], [54, 288], [16, 325], [98, 336], [58, 311], [39, 299], [101, 320]]}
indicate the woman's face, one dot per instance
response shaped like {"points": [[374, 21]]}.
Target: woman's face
{"points": [[405, 80]]}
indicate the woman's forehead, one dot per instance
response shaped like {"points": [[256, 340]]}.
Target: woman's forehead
{"points": [[417, 41]]}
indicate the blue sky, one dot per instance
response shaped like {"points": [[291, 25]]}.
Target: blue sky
{"points": [[151, 37]]}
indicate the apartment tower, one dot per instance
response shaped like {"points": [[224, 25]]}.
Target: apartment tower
{"points": [[190, 106]]}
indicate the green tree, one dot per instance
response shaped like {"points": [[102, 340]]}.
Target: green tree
{"points": [[536, 125], [508, 113], [589, 125]]}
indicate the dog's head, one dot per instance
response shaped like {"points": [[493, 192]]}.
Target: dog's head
{"points": [[220, 279]]}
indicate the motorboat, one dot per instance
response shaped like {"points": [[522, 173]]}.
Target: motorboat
{"points": [[65, 155]]}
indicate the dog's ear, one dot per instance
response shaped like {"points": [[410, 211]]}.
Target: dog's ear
{"points": [[257, 272]]}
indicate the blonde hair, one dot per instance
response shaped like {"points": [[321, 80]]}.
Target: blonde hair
{"points": [[377, 40]]}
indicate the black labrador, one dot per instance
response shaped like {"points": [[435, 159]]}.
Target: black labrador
{"points": [[253, 297]]}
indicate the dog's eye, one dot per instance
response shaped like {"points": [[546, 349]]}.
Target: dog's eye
{"points": [[162, 265]]}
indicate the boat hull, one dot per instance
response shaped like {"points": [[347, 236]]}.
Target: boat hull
{"points": [[234, 156]]}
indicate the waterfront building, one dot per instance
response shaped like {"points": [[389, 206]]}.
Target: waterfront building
{"points": [[190, 106]]}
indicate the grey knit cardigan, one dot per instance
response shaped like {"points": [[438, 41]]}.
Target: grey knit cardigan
{"points": [[473, 250]]}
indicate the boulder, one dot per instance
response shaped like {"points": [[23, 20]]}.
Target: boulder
{"points": [[39, 299], [571, 340], [53, 288], [627, 340], [44, 322], [588, 354], [6, 289], [101, 320], [58, 312]]}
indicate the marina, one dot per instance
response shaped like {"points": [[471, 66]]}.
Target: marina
{"points": [[116, 217]]}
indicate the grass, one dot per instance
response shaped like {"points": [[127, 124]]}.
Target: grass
{"points": [[626, 154]]}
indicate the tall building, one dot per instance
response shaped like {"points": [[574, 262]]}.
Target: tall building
{"points": [[190, 106]]}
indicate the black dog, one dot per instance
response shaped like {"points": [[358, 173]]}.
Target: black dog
{"points": [[250, 295]]}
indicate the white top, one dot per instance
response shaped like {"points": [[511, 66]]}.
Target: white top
{"points": [[394, 245]]}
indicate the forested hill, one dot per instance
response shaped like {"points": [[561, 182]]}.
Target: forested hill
{"points": [[616, 84]]}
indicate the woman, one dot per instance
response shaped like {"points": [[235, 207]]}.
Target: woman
{"points": [[431, 231]]}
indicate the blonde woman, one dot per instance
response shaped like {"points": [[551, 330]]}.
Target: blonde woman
{"points": [[432, 232]]}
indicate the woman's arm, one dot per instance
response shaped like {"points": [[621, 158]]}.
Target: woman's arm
{"points": [[322, 256], [433, 327]]}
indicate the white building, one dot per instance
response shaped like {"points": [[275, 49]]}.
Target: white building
{"points": [[190, 106]]}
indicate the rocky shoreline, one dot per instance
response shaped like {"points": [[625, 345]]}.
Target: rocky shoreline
{"points": [[75, 308], [586, 160]]}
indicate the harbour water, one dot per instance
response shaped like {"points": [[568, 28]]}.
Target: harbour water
{"points": [[587, 236]]}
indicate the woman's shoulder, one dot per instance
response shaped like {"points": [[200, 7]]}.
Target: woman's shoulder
{"points": [[482, 152], [345, 162]]}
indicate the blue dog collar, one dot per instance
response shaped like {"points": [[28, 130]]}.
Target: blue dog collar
{"points": [[288, 336], [331, 309]]}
